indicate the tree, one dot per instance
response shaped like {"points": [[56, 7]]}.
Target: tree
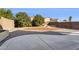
{"points": [[38, 20], [70, 18], [23, 20], [2, 12], [21, 15], [7, 13]]}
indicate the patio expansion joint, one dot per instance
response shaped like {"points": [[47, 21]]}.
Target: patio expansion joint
{"points": [[44, 42]]}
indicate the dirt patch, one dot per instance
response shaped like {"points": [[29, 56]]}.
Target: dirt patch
{"points": [[42, 28]]}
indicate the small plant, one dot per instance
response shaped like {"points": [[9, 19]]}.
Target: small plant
{"points": [[1, 27]]}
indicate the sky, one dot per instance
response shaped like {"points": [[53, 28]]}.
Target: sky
{"points": [[60, 13]]}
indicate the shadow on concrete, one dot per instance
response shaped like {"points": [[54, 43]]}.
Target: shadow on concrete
{"points": [[20, 33]]}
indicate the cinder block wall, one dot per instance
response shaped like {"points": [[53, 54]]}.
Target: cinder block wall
{"points": [[69, 25], [7, 24]]}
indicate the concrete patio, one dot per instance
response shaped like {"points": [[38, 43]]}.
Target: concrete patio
{"points": [[30, 40]]}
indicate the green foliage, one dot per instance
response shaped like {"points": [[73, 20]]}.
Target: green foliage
{"points": [[21, 15], [70, 18], [7, 13], [2, 12], [23, 20], [26, 23], [38, 20], [1, 27]]}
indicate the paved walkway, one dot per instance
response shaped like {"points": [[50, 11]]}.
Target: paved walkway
{"points": [[42, 42], [49, 40], [22, 32]]}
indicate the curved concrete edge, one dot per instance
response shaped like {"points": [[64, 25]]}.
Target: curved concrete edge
{"points": [[3, 35], [25, 42]]}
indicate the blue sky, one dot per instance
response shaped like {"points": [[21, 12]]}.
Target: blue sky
{"points": [[60, 13]]}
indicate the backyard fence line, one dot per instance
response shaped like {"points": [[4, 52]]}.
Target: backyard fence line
{"points": [[69, 25]]}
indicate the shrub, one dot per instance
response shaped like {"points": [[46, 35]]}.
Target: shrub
{"points": [[1, 27], [38, 20], [22, 20], [7, 13]]}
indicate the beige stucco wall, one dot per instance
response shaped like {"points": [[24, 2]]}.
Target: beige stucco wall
{"points": [[47, 20], [7, 24]]}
